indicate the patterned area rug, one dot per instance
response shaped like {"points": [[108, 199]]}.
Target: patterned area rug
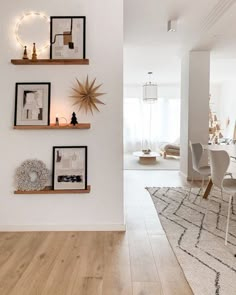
{"points": [[197, 239]]}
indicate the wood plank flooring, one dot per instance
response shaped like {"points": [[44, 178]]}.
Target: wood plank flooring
{"points": [[137, 262]]}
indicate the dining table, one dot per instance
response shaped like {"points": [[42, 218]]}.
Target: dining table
{"points": [[230, 149]]}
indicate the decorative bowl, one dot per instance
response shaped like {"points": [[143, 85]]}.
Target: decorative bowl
{"points": [[146, 152]]}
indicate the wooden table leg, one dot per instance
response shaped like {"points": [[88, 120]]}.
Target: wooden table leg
{"points": [[208, 189]]}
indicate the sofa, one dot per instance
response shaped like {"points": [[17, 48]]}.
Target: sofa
{"points": [[170, 149]]}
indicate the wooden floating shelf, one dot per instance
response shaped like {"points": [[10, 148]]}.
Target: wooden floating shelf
{"points": [[54, 126], [50, 62], [49, 190]]}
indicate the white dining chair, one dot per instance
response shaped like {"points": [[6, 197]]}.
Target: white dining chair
{"points": [[219, 161], [204, 171]]}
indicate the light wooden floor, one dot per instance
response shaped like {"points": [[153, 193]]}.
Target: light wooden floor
{"points": [[138, 262]]}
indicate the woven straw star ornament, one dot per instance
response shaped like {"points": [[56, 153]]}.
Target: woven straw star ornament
{"points": [[86, 96]]}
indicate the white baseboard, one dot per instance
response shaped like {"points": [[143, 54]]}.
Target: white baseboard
{"points": [[63, 227], [183, 175]]}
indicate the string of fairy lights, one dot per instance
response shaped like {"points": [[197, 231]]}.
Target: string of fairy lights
{"points": [[24, 18]]}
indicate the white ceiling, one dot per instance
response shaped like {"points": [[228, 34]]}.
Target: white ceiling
{"points": [[201, 25]]}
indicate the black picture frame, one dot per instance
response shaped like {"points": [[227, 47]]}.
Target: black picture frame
{"points": [[32, 104], [69, 171], [67, 37]]}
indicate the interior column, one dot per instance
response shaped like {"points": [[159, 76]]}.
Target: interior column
{"points": [[195, 80]]}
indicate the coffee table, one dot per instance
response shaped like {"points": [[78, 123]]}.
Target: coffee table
{"points": [[146, 159]]}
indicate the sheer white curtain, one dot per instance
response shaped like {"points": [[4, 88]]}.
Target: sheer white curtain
{"points": [[146, 125]]}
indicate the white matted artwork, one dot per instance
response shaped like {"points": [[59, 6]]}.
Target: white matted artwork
{"points": [[67, 37], [69, 167], [32, 104]]}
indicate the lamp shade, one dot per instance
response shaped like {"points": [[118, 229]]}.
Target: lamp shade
{"points": [[150, 91]]}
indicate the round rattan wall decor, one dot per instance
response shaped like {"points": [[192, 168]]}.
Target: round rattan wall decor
{"points": [[31, 175]]}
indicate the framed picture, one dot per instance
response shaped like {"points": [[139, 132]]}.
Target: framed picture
{"points": [[67, 37], [32, 104], [69, 167]]}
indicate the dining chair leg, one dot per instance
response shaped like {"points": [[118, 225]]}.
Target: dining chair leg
{"points": [[228, 217], [221, 192], [202, 185], [207, 208], [201, 192], [191, 185]]}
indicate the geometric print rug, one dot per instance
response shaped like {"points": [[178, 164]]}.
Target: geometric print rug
{"points": [[197, 239]]}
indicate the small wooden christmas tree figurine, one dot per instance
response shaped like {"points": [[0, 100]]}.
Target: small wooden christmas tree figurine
{"points": [[34, 54], [74, 119], [25, 54]]}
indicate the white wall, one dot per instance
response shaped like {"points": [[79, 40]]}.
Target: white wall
{"points": [[103, 207], [184, 116]]}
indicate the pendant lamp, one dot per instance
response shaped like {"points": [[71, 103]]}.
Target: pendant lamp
{"points": [[150, 90]]}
